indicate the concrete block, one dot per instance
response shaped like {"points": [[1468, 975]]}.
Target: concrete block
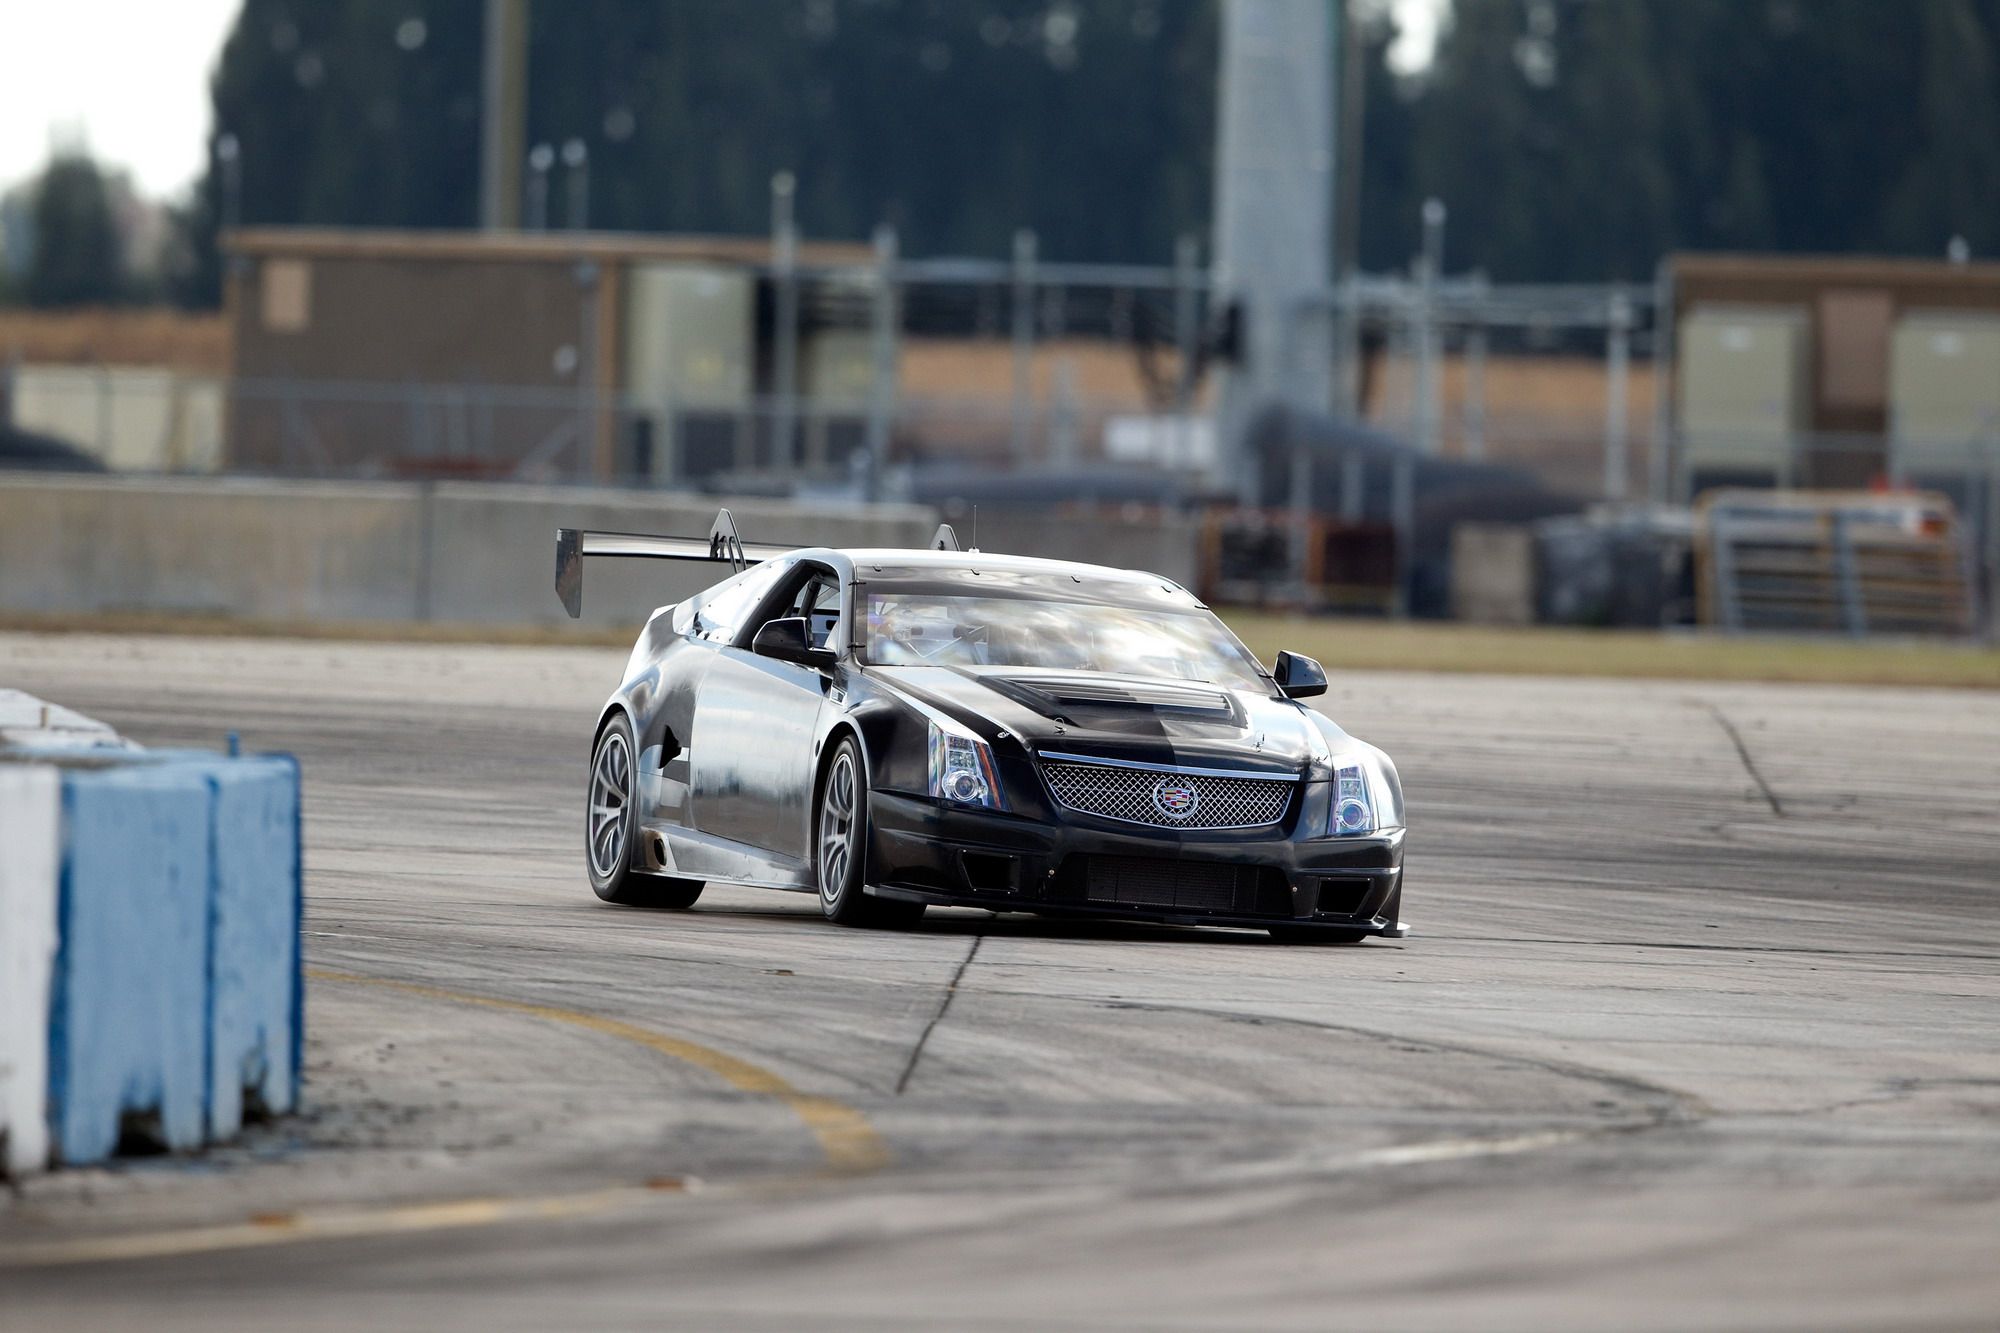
{"points": [[217, 546], [30, 818], [128, 1024], [256, 1018]]}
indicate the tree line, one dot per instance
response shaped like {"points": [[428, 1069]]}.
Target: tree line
{"points": [[1572, 139]]}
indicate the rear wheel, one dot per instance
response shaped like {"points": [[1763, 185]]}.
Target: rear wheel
{"points": [[610, 826], [840, 842]]}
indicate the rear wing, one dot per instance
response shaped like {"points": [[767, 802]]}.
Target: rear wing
{"points": [[721, 545]]}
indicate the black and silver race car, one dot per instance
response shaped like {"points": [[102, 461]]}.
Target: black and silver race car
{"points": [[891, 729]]}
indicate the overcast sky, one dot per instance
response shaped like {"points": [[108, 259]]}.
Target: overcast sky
{"points": [[131, 77]]}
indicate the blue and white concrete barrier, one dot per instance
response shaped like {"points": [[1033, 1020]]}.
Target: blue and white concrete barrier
{"points": [[150, 978]]}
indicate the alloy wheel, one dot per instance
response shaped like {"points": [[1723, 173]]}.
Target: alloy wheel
{"points": [[610, 793], [836, 827]]}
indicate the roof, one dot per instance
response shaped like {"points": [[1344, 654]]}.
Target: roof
{"points": [[525, 246], [868, 563], [1803, 279]]}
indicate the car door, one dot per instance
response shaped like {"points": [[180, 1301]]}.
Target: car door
{"points": [[754, 724]]}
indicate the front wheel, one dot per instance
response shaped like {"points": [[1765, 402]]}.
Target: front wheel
{"points": [[611, 823], [840, 842]]}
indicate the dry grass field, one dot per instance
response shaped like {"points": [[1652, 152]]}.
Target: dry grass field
{"points": [[1341, 644]]}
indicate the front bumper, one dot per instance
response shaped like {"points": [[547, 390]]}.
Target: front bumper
{"points": [[930, 852]]}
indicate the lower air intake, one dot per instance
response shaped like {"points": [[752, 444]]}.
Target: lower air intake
{"points": [[1183, 886]]}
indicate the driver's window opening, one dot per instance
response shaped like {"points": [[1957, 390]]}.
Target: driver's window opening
{"points": [[818, 603]]}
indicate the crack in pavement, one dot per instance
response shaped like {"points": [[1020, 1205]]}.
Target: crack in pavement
{"points": [[950, 991], [1743, 753]]}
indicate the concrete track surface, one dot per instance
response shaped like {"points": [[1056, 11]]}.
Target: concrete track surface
{"points": [[1700, 1027]]}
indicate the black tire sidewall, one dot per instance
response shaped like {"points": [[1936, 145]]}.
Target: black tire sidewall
{"points": [[849, 904], [614, 887]]}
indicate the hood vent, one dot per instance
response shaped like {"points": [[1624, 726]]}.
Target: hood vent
{"points": [[1119, 692]]}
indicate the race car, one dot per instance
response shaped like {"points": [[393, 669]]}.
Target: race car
{"points": [[896, 729]]}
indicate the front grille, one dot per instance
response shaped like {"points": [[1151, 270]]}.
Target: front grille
{"points": [[1185, 886], [1157, 797]]}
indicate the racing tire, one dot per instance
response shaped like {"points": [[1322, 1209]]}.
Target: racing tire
{"points": [[610, 827], [840, 846]]}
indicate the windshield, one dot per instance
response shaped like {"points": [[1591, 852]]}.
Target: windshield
{"points": [[911, 629]]}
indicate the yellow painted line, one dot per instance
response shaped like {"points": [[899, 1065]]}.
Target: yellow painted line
{"points": [[846, 1139], [849, 1143], [291, 1228]]}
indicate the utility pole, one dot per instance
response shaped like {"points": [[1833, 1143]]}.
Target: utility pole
{"points": [[504, 114], [1276, 144]]}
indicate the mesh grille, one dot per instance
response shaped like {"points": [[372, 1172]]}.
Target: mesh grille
{"points": [[1153, 796], [1190, 885]]}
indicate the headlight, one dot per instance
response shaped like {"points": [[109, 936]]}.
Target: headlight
{"points": [[962, 770], [1353, 809]]}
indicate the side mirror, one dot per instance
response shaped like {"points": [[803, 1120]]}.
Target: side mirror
{"points": [[787, 640], [1298, 676]]}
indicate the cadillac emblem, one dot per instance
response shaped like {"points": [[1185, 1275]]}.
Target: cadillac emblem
{"points": [[1175, 799]]}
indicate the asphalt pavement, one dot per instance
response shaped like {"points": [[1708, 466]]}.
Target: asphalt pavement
{"points": [[1698, 1026]]}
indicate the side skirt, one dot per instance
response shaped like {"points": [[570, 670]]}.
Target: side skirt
{"points": [[669, 849]]}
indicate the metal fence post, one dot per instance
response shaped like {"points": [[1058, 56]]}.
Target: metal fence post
{"points": [[1187, 332], [589, 458], [1618, 369], [1353, 487], [785, 352], [1660, 455], [576, 158], [1429, 268], [882, 387], [1024, 341], [1475, 391], [541, 158], [1403, 517], [1063, 412], [1992, 526]]}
